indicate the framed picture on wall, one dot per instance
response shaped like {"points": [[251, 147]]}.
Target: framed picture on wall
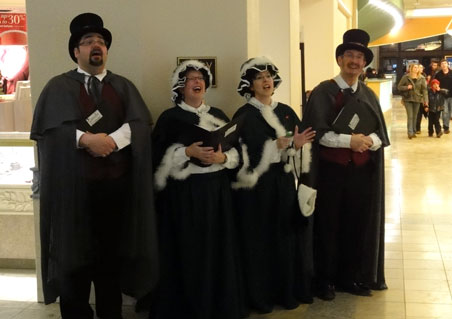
{"points": [[210, 61]]}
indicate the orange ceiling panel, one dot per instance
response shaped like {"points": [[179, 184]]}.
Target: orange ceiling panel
{"points": [[415, 28]]}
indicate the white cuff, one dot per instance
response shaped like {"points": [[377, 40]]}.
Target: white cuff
{"points": [[122, 136]]}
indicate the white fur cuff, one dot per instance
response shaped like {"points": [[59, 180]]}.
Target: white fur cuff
{"points": [[306, 199]]}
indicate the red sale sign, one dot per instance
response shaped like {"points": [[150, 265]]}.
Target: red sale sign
{"points": [[13, 22]]}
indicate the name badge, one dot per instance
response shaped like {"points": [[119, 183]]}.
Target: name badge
{"points": [[94, 118]]}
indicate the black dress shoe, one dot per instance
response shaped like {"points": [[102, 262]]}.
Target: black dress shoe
{"points": [[326, 292], [356, 289]]}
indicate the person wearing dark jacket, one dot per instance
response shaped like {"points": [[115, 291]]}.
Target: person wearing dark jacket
{"points": [[348, 173], [444, 76], [275, 238], [93, 131], [436, 101]]}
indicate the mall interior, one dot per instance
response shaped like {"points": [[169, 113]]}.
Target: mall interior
{"points": [[300, 37]]}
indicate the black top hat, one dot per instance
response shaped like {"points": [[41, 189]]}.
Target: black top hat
{"points": [[85, 23], [356, 39]]}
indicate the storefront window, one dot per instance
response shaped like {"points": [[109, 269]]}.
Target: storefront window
{"points": [[389, 48], [427, 44]]}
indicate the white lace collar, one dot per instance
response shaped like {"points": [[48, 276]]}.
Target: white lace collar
{"points": [[259, 105], [203, 108]]}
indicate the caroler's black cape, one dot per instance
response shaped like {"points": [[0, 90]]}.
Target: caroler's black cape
{"points": [[65, 239], [275, 238], [200, 271], [319, 115]]}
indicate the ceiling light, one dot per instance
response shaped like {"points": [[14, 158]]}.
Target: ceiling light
{"points": [[392, 11], [432, 12]]}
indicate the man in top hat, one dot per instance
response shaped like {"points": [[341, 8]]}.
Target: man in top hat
{"points": [[92, 130], [348, 173]]}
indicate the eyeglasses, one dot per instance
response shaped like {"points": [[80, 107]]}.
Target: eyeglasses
{"points": [[90, 42], [195, 78], [352, 56]]}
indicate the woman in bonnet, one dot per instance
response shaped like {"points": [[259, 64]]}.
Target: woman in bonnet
{"points": [[199, 268], [274, 235]]}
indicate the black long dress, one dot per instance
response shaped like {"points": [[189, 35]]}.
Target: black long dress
{"points": [[275, 239], [199, 260]]}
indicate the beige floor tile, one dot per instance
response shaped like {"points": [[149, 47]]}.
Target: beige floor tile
{"points": [[437, 297], [421, 255], [389, 295], [366, 309], [393, 239], [393, 232], [423, 264], [393, 246], [394, 255], [394, 273], [407, 247], [443, 227], [395, 283], [426, 239], [417, 227], [394, 263], [392, 226], [447, 264], [445, 247], [425, 310], [425, 274], [446, 255], [426, 285]]}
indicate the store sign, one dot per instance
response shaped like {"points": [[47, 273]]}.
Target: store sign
{"points": [[13, 22]]}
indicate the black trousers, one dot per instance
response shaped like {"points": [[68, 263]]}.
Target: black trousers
{"points": [[420, 113], [106, 204], [342, 204], [433, 121]]}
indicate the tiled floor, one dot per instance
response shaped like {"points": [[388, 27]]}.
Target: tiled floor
{"points": [[418, 243]]}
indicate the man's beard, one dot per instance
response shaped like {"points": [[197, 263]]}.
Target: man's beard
{"points": [[97, 62]]}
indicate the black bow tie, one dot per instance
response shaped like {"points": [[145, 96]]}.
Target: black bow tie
{"points": [[348, 91]]}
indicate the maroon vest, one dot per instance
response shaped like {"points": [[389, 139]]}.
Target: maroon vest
{"points": [[342, 156], [113, 116]]}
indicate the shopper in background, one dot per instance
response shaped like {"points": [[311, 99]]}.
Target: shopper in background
{"points": [[444, 76], [421, 112], [414, 91]]}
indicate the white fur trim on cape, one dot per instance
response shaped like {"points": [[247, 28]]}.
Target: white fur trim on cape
{"points": [[248, 179], [306, 158], [306, 199], [210, 122], [272, 120], [165, 167]]}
